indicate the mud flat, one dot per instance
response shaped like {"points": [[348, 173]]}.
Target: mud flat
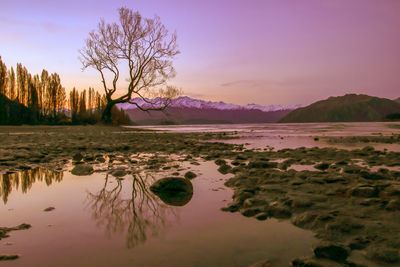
{"points": [[350, 199], [354, 211], [52, 147]]}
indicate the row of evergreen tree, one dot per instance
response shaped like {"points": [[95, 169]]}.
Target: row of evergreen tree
{"points": [[47, 101]]}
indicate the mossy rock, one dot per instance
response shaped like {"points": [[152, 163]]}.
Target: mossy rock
{"points": [[190, 175], [220, 162], [330, 251], [224, 169], [322, 166], [174, 191]]}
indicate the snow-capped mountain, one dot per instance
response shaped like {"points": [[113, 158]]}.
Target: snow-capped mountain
{"points": [[186, 110], [187, 102]]}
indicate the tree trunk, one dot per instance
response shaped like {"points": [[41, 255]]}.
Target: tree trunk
{"points": [[106, 116]]}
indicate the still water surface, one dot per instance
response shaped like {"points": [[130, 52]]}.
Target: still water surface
{"points": [[292, 135], [100, 220]]}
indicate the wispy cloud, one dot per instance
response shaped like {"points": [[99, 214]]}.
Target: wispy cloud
{"points": [[247, 83], [51, 27], [195, 95], [47, 26], [287, 82], [13, 22]]}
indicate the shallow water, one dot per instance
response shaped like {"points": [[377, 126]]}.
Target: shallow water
{"points": [[100, 220], [292, 135]]}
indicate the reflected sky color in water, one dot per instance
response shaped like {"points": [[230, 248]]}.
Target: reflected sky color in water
{"points": [[101, 220], [290, 135]]}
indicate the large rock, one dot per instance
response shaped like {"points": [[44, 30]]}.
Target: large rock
{"points": [[330, 251], [173, 191], [82, 169]]}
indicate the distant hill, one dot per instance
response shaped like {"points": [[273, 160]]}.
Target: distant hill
{"points": [[347, 108], [397, 100], [13, 113], [186, 110]]}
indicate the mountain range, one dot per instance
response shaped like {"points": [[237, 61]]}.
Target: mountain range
{"points": [[186, 110], [347, 108], [188, 102]]}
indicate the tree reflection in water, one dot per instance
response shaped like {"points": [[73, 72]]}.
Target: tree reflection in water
{"points": [[142, 213], [26, 179]]}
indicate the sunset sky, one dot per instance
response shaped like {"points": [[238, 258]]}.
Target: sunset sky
{"points": [[255, 51]]}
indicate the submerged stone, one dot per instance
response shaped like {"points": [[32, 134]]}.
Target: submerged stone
{"points": [[224, 169], [173, 191], [5, 230], [190, 175], [8, 257], [49, 209], [322, 166], [82, 169]]}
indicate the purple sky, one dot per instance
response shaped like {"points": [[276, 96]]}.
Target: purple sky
{"points": [[254, 51]]}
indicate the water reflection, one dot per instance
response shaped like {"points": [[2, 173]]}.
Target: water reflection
{"points": [[25, 180], [140, 211]]}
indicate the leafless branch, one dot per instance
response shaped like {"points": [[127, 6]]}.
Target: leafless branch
{"points": [[142, 46]]}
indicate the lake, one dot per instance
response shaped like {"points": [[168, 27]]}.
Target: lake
{"points": [[292, 135], [102, 220]]}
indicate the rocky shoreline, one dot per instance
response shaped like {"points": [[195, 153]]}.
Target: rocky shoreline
{"points": [[350, 199], [52, 147], [354, 211]]}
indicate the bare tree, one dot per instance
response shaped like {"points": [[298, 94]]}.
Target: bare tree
{"points": [[146, 48]]}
